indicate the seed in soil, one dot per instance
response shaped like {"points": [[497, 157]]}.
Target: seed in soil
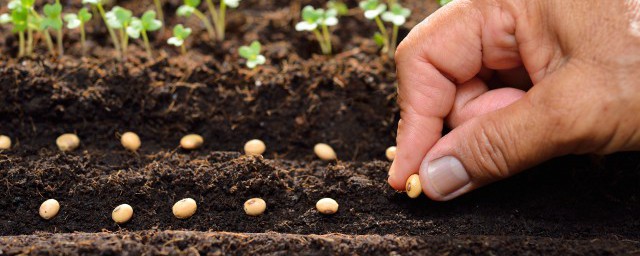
{"points": [[254, 147], [413, 187], [255, 206], [327, 206], [185, 208], [130, 141], [5, 142], [68, 142], [391, 153], [324, 152], [49, 209], [191, 141], [122, 213]]}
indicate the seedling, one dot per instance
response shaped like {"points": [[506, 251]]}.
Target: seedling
{"points": [[19, 19], [219, 20], [122, 213], [191, 7], [147, 22], [49, 209], [78, 21], [112, 34], [184, 208], [53, 20], [327, 206], [119, 19], [340, 7], [254, 58], [180, 34], [315, 20], [397, 15]]}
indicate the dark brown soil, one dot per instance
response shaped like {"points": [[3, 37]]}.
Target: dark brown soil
{"points": [[571, 205]]}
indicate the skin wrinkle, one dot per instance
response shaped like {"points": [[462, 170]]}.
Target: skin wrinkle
{"points": [[633, 14]]}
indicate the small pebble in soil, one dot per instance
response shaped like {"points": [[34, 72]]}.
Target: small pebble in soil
{"points": [[122, 213], [327, 206], [5, 142], [254, 147], [191, 141], [413, 187], [49, 209], [391, 153], [324, 152], [185, 208], [68, 142], [130, 141], [255, 206]]}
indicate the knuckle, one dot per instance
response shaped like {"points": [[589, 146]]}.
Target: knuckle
{"points": [[489, 148]]}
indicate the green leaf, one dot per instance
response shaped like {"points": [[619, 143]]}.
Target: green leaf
{"points": [[379, 39], [72, 20], [192, 3], [180, 32], [246, 52], [340, 7], [369, 5], [443, 2], [19, 18], [27, 3], [311, 15], [84, 15], [122, 15], [52, 17], [185, 11], [255, 47], [149, 21], [52, 10], [135, 28]]}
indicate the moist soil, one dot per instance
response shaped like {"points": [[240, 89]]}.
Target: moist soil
{"points": [[570, 205]]}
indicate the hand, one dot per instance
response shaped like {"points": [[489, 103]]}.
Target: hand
{"points": [[573, 68]]}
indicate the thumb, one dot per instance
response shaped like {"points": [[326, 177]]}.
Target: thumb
{"points": [[494, 146]]}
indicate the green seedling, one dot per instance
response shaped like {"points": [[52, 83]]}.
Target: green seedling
{"points": [[98, 5], [180, 34], [191, 7], [142, 25], [397, 15], [119, 19], [317, 20], [252, 54], [340, 7], [219, 17], [78, 21], [53, 20], [18, 17]]}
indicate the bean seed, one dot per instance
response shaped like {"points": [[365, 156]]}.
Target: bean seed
{"points": [[391, 153], [122, 213], [413, 187], [5, 142], [254, 147], [68, 142], [130, 141], [49, 209], [324, 152], [255, 206], [191, 141], [327, 206], [185, 208]]}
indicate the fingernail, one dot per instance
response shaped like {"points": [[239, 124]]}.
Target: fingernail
{"points": [[447, 175]]}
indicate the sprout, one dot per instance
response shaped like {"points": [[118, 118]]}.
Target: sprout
{"points": [[147, 22], [372, 8], [180, 34], [53, 20], [340, 7], [18, 18], [252, 54], [219, 17], [77, 21], [314, 18], [112, 34], [191, 7], [25, 19], [119, 18], [397, 15]]}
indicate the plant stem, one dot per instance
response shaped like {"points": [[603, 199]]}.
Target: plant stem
{"points": [[327, 38], [323, 47], [82, 40], [125, 41], [47, 38], [221, 21], [159, 10], [183, 48], [60, 46], [394, 39], [206, 22], [146, 44], [111, 32], [384, 33], [21, 44], [29, 40], [214, 13]]}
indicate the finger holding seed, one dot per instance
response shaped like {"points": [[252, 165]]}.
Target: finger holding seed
{"points": [[325, 152], [185, 208], [122, 213], [191, 141], [68, 142], [327, 206], [391, 153], [5, 142], [413, 186], [49, 209], [254, 147], [130, 141], [255, 206]]}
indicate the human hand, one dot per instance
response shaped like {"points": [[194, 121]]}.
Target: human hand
{"points": [[573, 68]]}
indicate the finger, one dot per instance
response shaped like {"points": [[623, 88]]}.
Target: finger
{"points": [[494, 146], [473, 99]]}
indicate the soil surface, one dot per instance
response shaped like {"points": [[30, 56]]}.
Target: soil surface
{"points": [[570, 205]]}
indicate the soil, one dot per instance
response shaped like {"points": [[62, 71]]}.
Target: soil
{"points": [[570, 205]]}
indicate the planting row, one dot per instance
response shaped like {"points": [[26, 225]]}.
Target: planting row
{"points": [[184, 209], [122, 25]]}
